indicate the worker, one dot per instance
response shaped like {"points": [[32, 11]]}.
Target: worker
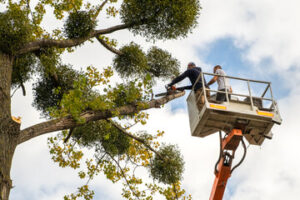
{"points": [[192, 73], [223, 83]]}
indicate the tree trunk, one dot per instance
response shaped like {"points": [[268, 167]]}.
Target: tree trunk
{"points": [[9, 129], [6, 62]]}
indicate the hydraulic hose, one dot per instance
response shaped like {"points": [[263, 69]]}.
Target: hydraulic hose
{"points": [[221, 152], [245, 152]]}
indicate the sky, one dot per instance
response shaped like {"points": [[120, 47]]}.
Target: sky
{"points": [[256, 39]]}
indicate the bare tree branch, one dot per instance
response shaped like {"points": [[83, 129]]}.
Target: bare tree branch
{"points": [[124, 176], [68, 122], [100, 8], [134, 137], [23, 89], [108, 47], [69, 135], [46, 43]]}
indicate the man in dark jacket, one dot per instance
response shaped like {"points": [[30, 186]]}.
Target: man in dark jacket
{"points": [[192, 73]]}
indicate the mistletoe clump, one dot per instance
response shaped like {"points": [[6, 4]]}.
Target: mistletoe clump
{"points": [[161, 64], [15, 29], [50, 88], [79, 24], [132, 61], [102, 134], [23, 69], [168, 167], [160, 19]]}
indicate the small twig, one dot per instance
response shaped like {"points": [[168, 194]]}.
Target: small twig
{"points": [[175, 191], [99, 9], [131, 125], [133, 163], [133, 172], [98, 163], [14, 91], [123, 174], [72, 148]]}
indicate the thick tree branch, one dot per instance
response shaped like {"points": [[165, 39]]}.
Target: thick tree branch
{"points": [[108, 47], [46, 43], [68, 122]]}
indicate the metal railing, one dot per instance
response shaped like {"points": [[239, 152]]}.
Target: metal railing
{"points": [[250, 95]]}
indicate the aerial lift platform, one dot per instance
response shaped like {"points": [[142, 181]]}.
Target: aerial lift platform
{"points": [[250, 115]]}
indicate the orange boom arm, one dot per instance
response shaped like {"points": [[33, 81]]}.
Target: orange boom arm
{"points": [[223, 172]]}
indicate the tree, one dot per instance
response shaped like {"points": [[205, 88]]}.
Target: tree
{"points": [[83, 105]]}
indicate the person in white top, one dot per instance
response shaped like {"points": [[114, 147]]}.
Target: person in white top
{"points": [[223, 83]]}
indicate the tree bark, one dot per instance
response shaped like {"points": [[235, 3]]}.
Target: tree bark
{"points": [[6, 62], [9, 129]]}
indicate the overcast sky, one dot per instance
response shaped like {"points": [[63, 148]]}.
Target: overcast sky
{"points": [[256, 39]]}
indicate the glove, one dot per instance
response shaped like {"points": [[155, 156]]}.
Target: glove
{"points": [[168, 86]]}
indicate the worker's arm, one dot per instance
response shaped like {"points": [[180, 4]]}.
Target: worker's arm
{"points": [[179, 78], [185, 88], [214, 79]]}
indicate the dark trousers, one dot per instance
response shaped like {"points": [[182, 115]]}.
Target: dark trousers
{"points": [[222, 96]]}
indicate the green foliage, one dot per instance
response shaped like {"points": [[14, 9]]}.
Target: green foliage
{"points": [[83, 96], [51, 87], [115, 168], [132, 62], [161, 64], [104, 133], [160, 19], [49, 59], [175, 192], [124, 94], [82, 192], [23, 69], [15, 29], [62, 6], [168, 169], [79, 24], [65, 155]]}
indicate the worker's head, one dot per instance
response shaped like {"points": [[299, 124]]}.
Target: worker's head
{"points": [[216, 68], [191, 65]]}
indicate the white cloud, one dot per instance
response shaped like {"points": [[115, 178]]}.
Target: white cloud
{"points": [[268, 29]]}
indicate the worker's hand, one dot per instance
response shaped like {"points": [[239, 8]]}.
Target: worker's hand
{"points": [[170, 87]]}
